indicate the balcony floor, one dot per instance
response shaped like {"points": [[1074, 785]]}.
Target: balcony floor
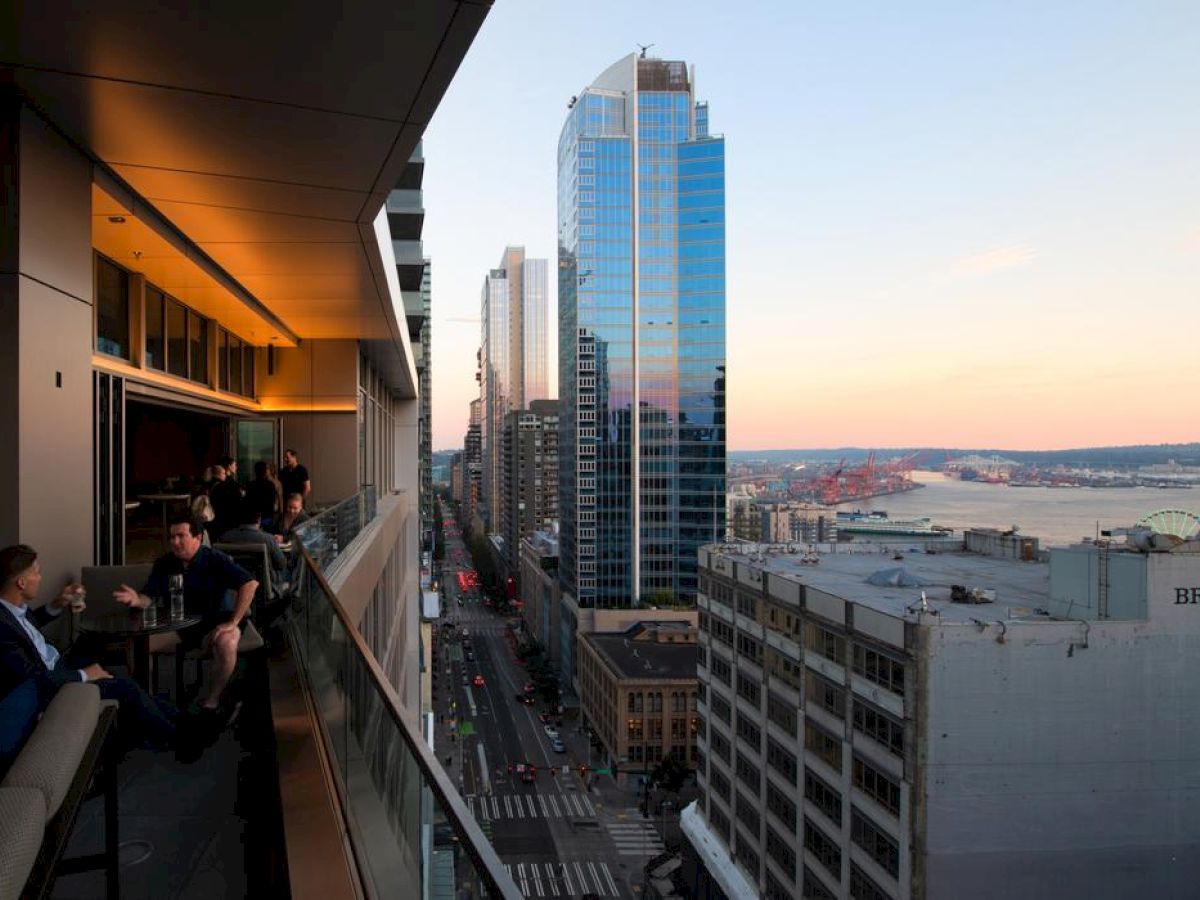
{"points": [[212, 828]]}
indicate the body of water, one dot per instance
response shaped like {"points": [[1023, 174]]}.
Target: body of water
{"points": [[1056, 515]]}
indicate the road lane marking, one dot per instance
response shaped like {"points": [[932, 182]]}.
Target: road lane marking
{"points": [[545, 808], [566, 877], [532, 806], [507, 808], [588, 804], [537, 878], [583, 884], [496, 807], [483, 769], [596, 877], [524, 880], [554, 804], [607, 874]]}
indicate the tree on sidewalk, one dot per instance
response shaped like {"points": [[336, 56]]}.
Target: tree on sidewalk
{"points": [[671, 774]]}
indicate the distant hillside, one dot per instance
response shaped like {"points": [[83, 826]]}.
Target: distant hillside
{"points": [[933, 457]]}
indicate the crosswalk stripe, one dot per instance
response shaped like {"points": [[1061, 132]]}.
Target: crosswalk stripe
{"points": [[495, 807], [537, 878], [554, 804], [545, 808], [507, 806], [588, 803], [595, 877], [582, 878], [607, 874], [532, 807], [566, 876]]}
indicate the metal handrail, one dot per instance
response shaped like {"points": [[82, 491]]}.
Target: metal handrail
{"points": [[483, 855], [327, 533]]}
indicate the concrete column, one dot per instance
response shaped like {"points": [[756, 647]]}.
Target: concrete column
{"points": [[46, 297]]}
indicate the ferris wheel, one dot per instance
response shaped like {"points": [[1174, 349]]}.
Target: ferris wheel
{"points": [[1176, 522]]}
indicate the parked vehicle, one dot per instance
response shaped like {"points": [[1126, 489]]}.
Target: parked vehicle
{"points": [[558, 746]]}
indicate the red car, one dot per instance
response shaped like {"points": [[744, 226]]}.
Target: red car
{"points": [[477, 681]]}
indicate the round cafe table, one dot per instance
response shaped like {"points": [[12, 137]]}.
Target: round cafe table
{"points": [[129, 624]]}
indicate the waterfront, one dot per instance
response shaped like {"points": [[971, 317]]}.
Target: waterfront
{"points": [[1056, 515]]}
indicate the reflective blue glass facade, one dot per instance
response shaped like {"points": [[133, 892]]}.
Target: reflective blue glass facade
{"points": [[642, 326]]}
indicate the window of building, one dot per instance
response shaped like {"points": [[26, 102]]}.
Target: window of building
{"points": [[822, 744], [784, 668], [719, 745], [235, 364], [781, 805], [747, 772], [198, 339], [748, 689], [721, 669], [156, 348], [828, 696], [782, 712], [876, 724], [879, 668], [746, 809], [823, 797], [112, 309], [721, 708], [749, 648], [177, 361], [877, 785], [775, 890], [747, 604], [781, 760], [826, 642], [720, 784], [749, 733], [879, 844], [826, 851], [863, 887], [719, 822], [813, 888], [222, 359], [679, 729], [633, 729], [747, 856], [781, 852]]}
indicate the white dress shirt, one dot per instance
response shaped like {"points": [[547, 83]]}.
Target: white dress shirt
{"points": [[47, 651]]}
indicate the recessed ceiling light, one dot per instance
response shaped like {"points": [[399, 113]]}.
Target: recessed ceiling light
{"points": [[117, 220]]}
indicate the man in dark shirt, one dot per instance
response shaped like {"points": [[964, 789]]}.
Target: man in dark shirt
{"points": [[226, 499], [293, 476], [208, 577], [262, 494], [249, 532]]}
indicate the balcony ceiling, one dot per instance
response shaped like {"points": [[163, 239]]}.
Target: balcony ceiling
{"points": [[268, 134]]}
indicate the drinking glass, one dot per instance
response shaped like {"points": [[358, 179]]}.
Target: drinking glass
{"points": [[176, 591], [79, 600], [150, 614]]}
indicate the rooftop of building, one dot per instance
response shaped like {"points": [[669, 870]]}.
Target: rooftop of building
{"points": [[645, 651], [903, 573]]}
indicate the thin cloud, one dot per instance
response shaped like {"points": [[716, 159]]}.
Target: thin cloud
{"points": [[1011, 256]]}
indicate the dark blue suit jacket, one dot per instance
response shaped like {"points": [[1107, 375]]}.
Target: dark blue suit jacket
{"points": [[19, 659]]}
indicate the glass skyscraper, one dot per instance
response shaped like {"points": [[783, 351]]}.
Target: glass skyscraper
{"points": [[641, 254], [513, 351]]}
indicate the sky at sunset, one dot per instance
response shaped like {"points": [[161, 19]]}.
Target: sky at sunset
{"points": [[948, 224]]}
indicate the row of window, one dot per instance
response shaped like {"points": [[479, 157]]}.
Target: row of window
{"points": [[176, 337]]}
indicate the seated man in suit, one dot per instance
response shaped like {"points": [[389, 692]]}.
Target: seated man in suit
{"points": [[208, 575], [25, 654]]}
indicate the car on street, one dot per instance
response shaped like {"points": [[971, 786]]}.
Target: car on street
{"points": [[558, 746], [551, 732], [522, 698], [477, 681], [544, 718], [528, 687], [470, 656]]}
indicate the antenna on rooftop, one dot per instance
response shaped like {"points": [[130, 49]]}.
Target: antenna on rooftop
{"points": [[645, 47]]}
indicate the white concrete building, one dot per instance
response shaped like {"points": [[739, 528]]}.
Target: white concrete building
{"points": [[876, 739]]}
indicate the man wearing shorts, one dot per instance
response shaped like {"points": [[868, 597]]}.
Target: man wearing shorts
{"points": [[209, 578]]}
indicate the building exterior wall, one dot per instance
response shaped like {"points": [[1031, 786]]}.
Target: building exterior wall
{"points": [[641, 336], [639, 721], [46, 310], [540, 592], [530, 464]]}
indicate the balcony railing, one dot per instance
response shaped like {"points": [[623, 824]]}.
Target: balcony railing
{"points": [[330, 531], [409, 831]]}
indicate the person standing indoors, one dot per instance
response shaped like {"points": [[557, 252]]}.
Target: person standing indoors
{"points": [[225, 497], [294, 477], [208, 577], [261, 495]]}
